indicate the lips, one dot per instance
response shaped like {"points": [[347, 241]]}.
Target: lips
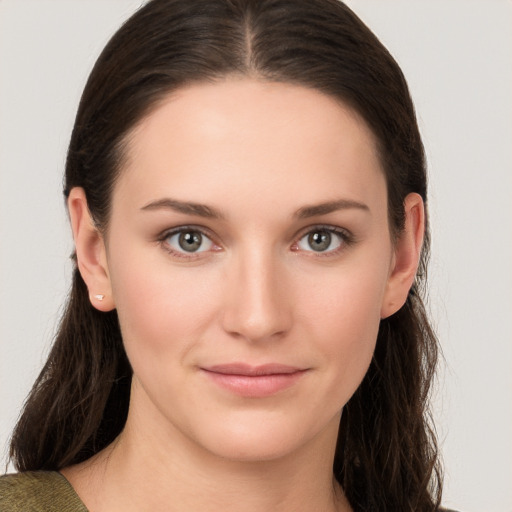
{"points": [[254, 381]]}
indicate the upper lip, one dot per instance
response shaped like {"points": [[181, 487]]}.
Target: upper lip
{"points": [[250, 370]]}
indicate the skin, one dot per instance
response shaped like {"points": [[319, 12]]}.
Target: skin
{"points": [[257, 291]]}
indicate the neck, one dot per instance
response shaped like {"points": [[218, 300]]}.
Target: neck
{"points": [[162, 469]]}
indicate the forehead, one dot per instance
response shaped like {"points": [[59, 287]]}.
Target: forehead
{"points": [[244, 137]]}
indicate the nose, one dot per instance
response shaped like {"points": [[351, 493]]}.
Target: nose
{"points": [[258, 301]]}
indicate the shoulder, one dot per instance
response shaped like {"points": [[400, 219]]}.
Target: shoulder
{"points": [[38, 491]]}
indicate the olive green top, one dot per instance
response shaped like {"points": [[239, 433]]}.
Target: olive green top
{"points": [[43, 491], [38, 491]]}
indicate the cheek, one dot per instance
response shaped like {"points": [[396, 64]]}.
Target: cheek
{"points": [[345, 317], [159, 307], [347, 299]]}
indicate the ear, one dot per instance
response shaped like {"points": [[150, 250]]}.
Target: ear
{"points": [[90, 251], [406, 256]]}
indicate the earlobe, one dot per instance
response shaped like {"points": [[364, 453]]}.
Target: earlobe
{"points": [[90, 252], [406, 256]]}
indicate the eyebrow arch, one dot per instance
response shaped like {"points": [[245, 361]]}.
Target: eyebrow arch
{"points": [[329, 207], [202, 210], [185, 207]]}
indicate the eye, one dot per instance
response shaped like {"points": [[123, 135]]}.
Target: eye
{"points": [[187, 240], [322, 240]]}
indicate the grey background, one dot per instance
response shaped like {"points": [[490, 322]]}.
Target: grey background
{"points": [[457, 56]]}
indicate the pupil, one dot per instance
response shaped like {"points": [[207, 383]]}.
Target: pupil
{"points": [[320, 240], [190, 241]]}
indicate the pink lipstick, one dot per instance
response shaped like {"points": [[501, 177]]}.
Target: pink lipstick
{"points": [[254, 381]]}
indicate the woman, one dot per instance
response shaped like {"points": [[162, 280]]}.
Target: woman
{"points": [[246, 186]]}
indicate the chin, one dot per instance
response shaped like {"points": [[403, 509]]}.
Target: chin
{"points": [[254, 449], [266, 439]]}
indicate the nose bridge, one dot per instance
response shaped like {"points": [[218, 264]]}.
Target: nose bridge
{"points": [[257, 306]]}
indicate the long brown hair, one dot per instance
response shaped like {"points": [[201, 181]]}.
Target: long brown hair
{"points": [[386, 458]]}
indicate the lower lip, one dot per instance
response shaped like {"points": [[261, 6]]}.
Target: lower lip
{"points": [[255, 386]]}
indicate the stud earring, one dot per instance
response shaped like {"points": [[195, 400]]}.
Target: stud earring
{"points": [[99, 297]]}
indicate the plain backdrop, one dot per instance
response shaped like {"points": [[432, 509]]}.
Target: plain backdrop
{"points": [[457, 56]]}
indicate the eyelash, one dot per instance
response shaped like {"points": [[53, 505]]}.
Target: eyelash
{"points": [[346, 239], [184, 229]]}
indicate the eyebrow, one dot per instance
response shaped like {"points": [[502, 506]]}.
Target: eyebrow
{"points": [[329, 207], [185, 207], [202, 210]]}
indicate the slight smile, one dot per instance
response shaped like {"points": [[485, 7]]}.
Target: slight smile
{"points": [[254, 381]]}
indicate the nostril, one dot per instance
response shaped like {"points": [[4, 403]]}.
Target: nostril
{"points": [[256, 323]]}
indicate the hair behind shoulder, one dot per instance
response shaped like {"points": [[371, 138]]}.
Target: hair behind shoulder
{"points": [[386, 457], [79, 401]]}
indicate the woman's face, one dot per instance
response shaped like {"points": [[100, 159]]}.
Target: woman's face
{"points": [[249, 259]]}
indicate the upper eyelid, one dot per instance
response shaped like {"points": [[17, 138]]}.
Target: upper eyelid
{"points": [[189, 227], [208, 231], [326, 227]]}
